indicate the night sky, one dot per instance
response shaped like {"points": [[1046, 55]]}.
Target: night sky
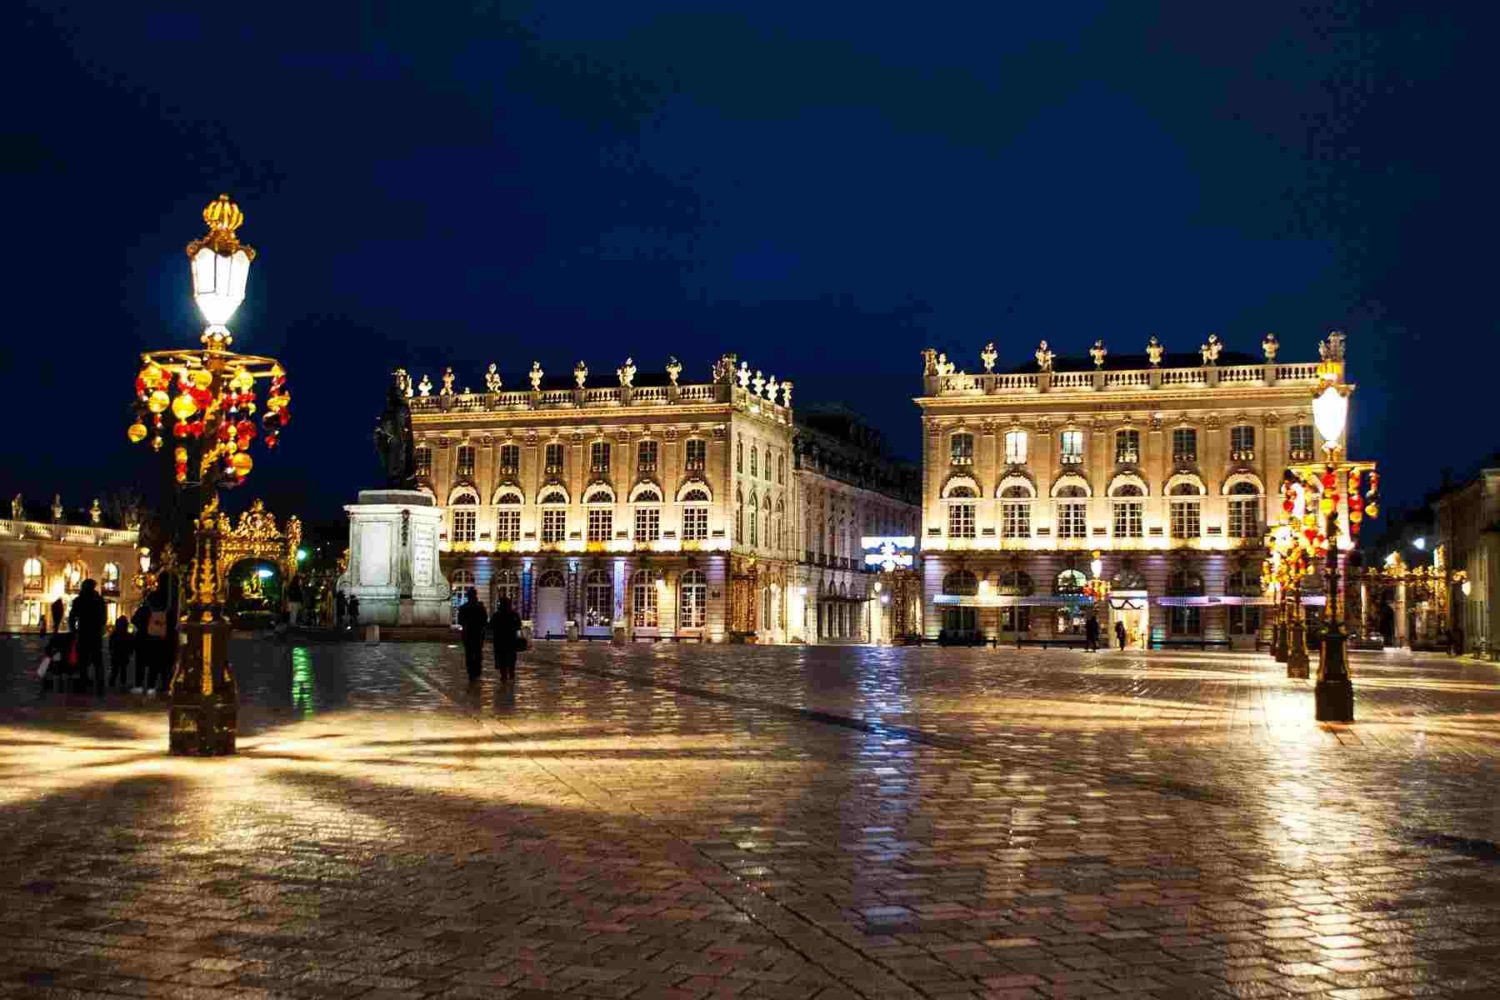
{"points": [[823, 188]]}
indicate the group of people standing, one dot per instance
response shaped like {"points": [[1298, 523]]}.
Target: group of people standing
{"points": [[149, 637], [505, 635], [1091, 634]]}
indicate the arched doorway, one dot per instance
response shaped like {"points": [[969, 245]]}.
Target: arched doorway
{"points": [[253, 593], [551, 605], [598, 603]]}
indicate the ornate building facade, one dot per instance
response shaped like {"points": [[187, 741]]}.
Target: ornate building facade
{"points": [[1160, 463], [1468, 523], [647, 507], [47, 555], [848, 489]]}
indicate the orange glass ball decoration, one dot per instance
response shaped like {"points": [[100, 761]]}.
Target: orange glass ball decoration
{"points": [[158, 401], [242, 463], [136, 433]]}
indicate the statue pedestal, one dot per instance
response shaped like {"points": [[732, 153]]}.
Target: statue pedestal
{"points": [[393, 559]]}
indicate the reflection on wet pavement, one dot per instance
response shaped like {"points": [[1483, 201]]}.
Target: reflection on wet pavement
{"points": [[786, 822]]}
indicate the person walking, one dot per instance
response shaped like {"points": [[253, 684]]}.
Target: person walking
{"points": [[353, 613], [121, 646], [86, 622], [505, 629], [57, 615], [1120, 634], [294, 601], [140, 622], [472, 619], [1091, 635], [340, 610], [157, 646]]}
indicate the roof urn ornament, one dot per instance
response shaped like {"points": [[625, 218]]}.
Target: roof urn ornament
{"points": [[759, 383], [1154, 351], [1044, 357], [929, 361], [988, 356], [424, 387], [771, 386], [1332, 349], [403, 382], [724, 369], [1211, 349], [447, 389], [536, 375], [743, 375], [1098, 352], [580, 374], [944, 366], [786, 394], [17, 508], [57, 507], [674, 369], [492, 381], [95, 511], [626, 373], [1270, 345]]}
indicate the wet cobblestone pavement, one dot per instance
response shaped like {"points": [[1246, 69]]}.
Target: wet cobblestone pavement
{"points": [[758, 822]]}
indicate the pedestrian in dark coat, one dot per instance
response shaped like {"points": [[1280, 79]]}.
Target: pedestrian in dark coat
{"points": [[1120, 634], [340, 609], [353, 612], [1091, 634], [471, 619], [57, 615], [121, 646], [505, 628], [86, 622], [158, 643]]}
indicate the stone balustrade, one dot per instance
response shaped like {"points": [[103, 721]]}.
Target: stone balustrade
{"points": [[600, 397], [1105, 380]]}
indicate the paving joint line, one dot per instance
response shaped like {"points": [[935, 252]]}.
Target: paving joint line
{"points": [[753, 900]]}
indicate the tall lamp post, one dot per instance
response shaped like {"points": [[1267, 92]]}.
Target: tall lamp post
{"points": [[205, 401], [1334, 691]]}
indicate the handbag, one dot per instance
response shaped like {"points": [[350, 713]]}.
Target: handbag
{"points": [[156, 625]]}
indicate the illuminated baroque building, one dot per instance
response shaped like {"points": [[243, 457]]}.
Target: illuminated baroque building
{"points": [[646, 507], [1468, 522], [44, 556], [847, 490], [1161, 462]]}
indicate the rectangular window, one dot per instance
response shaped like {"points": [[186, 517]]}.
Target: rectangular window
{"points": [[694, 524], [1244, 518], [696, 455], [424, 461], [510, 459], [1072, 520], [1015, 520], [601, 524], [599, 458], [1242, 443], [1185, 621], [1015, 447], [554, 525], [1072, 447], [961, 520], [1128, 519], [1244, 621], [465, 465], [1300, 442], [463, 525], [554, 459], [645, 456], [1128, 447], [961, 447], [647, 524], [1184, 445], [508, 526], [1014, 619], [1185, 519]]}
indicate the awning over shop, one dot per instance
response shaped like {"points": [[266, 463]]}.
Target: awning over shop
{"points": [[1010, 601], [1206, 601]]}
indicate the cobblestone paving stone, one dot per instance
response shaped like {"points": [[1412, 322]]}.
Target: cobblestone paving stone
{"points": [[758, 822]]}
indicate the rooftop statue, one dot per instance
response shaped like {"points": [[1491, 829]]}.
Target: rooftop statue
{"points": [[393, 438]]}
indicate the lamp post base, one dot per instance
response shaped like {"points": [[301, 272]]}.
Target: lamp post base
{"points": [[1278, 643], [204, 713], [1333, 695], [1297, 666]]}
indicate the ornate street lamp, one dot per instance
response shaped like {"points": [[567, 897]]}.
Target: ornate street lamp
{"points": [[205, 401]]}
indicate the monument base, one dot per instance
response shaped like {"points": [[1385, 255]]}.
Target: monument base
{"points": [[393, 559]]}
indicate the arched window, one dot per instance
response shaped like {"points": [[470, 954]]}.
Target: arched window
{"points": [[1016, 583], [1187, 490], [599, 496], [553, 496], [600, 516], [1015, 511], [643, 603], [1186, 514], [1242, 582], [1069, 582], [692, 600], [508, 514], [781, 470], [961, 582], [554, 516], [694, 496], [464, 461], [754, 514], [459, 581], [1128, 510], [1184, 582], [506, 585], [552, 579], [598, 599], [31, 574], [739, 515], [1244, 511], [1128, 579], [74, 573], [110, 582], [780, 536], [422, 459], [963, 493], [739, 453], [754, 463], [647, 514]]}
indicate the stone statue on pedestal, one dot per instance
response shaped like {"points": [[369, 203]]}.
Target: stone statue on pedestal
{"points": [[393, 440]]}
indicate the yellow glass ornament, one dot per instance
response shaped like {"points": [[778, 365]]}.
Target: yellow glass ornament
{"points": [[184, 406], [202, 378], [242, 463], [158, 401], [136, 433]]}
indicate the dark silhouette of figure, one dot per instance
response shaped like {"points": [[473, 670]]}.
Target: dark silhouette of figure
{"points": [[1120, 634], [157, 644], [57, 615], [393, 437], [121, 647], [340, 609], [86, 622], [472, 619], [354, 613], [1091, 634], [294, 601], [505, 629]]}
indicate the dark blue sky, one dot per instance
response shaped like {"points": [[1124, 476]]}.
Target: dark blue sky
{"points": [[823, 188]]}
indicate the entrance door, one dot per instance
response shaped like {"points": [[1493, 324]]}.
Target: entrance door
{"points": [[551, 606], [1133, 612]]}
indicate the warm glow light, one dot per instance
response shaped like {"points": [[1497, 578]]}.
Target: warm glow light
{"points": [[1330, 411], [1420, 544], [1097, 567], [1466, 586], [219, 284]]}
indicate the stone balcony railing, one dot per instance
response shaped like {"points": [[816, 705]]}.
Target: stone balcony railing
{"points": [[77, 534], [600, 397], [1105, 380]]}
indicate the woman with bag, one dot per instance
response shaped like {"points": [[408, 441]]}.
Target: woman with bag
{"points": [[505, 627], [158, 642]]}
